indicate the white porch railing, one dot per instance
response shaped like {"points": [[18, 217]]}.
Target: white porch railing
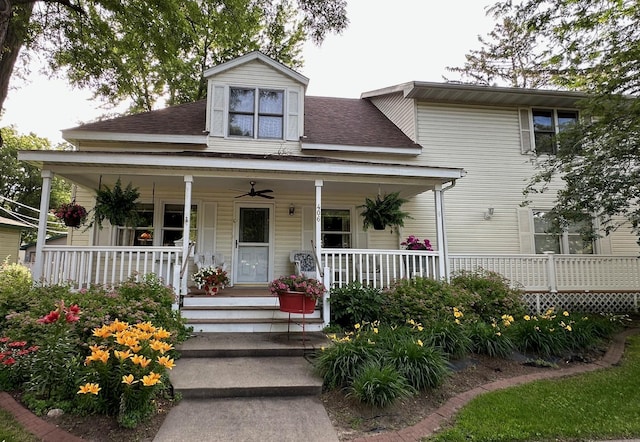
{"points": [[378, 268], [82, 266]]}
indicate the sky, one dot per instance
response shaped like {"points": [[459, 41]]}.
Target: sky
{"points": [[386, 43]]}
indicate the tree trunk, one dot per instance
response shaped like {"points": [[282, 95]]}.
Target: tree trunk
{"points": [[14, 20]]}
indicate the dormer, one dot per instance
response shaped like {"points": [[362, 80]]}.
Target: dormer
{"points": [[255, 98]]}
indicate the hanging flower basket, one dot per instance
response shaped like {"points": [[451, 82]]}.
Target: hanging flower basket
{"points": [[71, 214]]}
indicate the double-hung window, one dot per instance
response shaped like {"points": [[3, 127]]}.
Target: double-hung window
{"points": [[336, 228], [256, 113], [568, 242], [142, 235], [547, 123]]}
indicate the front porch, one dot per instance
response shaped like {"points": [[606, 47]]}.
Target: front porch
{"points": [[594, 282]]}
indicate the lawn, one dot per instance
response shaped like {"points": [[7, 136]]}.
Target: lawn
{"points": [[594, 406]]}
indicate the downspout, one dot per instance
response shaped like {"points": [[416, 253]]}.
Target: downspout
{"points": [[38, 267], [443, 235]]}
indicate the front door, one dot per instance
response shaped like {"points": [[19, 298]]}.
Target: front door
{"points": [[253, 244]]}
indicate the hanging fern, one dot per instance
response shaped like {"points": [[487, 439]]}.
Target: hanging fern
{"points": [[117, 205], [384, 212]]}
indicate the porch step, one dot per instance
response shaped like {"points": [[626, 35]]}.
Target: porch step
{"points": [[237, 313], [224, 365]]}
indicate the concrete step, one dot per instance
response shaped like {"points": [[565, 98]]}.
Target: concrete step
{"points": [[247, 365]]}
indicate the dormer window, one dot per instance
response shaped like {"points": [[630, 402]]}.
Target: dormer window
{"points": [[248, 116]]}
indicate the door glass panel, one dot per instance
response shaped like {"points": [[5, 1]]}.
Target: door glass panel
{"points": [[254, 225], [253, 264]]}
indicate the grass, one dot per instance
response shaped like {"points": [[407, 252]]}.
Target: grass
{"points": [[11, 430], [597, 405]]}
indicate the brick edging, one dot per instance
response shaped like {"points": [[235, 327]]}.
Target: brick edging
{"points": [[433, 422]]}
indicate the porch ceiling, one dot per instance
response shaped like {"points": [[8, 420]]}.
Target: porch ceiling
{"points": [[282, 174]]}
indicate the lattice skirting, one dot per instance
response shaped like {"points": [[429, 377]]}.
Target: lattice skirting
{"points": [[592, 302]]}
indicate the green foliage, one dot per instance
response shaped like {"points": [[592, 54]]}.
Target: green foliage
{"points": [[355, 303], [423, 366], [495, 296], [339, 363], [22, 182], [15, 284], [545, 335], [380, 386], [384, 212], [116, 205], [448, 336], [15, 363], [423, 300], [486, 339]]}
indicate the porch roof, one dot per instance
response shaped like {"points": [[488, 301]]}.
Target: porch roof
{"points": [[86, 167]]}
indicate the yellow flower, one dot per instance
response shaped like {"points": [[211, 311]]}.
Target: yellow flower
{"points": [[89, 388], [118, 326], [565, 313], [458, 321], [151, 379], [102, 332], [357, 326], [146, 327], [568, 328], [128, 379], [161, 333], [457, 313], [122, 355], [498, 334], [166, 362], [140, 360], [160, 346], [375, 330], [420, 343], [527, 318]]}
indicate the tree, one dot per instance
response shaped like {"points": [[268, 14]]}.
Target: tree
{"points": [[130, 49], [21, 182], [510, 55], [595, 48]]}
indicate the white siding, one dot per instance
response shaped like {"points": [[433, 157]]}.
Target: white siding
{"points": [[400, 110]]}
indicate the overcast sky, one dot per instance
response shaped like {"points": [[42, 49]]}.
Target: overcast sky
{"points": [[387, 43]]}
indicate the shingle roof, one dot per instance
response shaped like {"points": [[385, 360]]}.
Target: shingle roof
{"points": [[332, 121]]}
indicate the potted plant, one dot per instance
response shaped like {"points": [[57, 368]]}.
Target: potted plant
{"points": [[72, 214], [297, 293], [413, 243], [212, 278], [384, 211], [117, 205]]}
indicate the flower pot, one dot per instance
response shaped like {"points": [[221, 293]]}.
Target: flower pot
{"points": [[378, 225], [296, 302], [71, 222], [211, 290]]}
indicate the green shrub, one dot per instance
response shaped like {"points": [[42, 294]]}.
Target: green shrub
{"points": [[15, 363], [545, 335], [422, 300], [487, 339], [339, 363], [494, 295], [354, 303], [423, 366], [15, 284], [380, 386], [449, 336]]}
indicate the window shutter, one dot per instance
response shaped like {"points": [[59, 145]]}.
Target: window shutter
{"points": [[525, 231], [217, 112], [293, 116], [208, 228], [526, 145]]}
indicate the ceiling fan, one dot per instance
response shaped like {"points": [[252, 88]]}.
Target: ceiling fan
{"points": [[254, 192]]}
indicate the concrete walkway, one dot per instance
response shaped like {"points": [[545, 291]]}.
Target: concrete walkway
{"points": [[303, 419]]}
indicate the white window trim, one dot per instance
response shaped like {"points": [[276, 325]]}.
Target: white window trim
{"points": [[256, 104], [564, 236], [352, 232], [532, 131]]}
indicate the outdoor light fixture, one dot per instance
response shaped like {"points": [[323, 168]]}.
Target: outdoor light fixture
{"points": [[489, 213], [292, 209]]}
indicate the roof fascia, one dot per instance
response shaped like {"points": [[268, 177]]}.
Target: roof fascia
{"points": [[71, 135], [413, 151], [196, 162], [256, 55]]}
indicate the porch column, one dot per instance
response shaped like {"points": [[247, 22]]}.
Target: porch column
{"points": [[37, 269], [441, 235], [318, 229], [186, 230]]}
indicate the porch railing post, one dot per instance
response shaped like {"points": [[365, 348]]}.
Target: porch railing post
{"points": [[551, 272], [37, 270], [443, 265], [326, 304], [182, 264]]}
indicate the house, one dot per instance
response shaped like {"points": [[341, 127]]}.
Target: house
{"points": [[10, 231], [266, 170], [28, 251]]}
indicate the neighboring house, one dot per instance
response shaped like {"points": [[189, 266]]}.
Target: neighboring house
{"points": [[29, 250], [267, 170], [10, 231]]}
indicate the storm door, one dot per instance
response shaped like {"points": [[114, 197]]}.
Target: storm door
{"points": [[253, 244]]}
